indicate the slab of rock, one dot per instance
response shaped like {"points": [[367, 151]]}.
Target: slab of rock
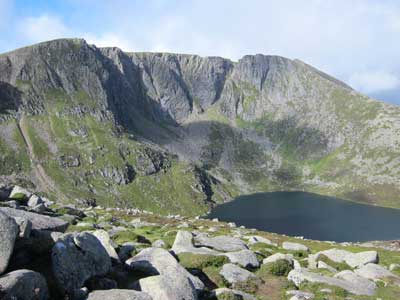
{"points": [[374, 271], [184, 244], [324, 265], [278, 256], [23, 285], [356, 280], [225, 293], [259, 239], [297, 276], [107, 243], [352, 259], [117, 294], [8, 233], [158, 261], [39, 222], [162, 287], [78, 257], [244, 258], [294, 246], [220, 243], [234, 274], [159, 244]]}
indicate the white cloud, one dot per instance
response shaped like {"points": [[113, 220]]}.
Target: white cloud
{"points": [[109, 40], [375, 81], [43, 28]]}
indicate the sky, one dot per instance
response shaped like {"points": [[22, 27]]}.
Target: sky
{"points": [[357, 41]]}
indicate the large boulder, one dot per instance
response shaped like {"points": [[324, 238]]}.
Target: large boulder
{"points": [[23, 285], [352, 259], [78, 257], [373, 271], [8, 233], [357, 287], [220, 243], [105, 240], [294, 246], [184, 243], [158, 261], [162, 287], [278, 256], [39, 222], [234, 274], [225, 293], [244, 258], [117, 294]]}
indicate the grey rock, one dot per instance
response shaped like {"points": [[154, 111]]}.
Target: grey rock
{"points": [[299, 276], [23, 285], [40, 208], [300, 295], [166, 288], [352, 259], [78, 257], [294, 246], [159, 244], [373, 271], [278, 256], [259, 239], [324, 265], [20, 193], [244, 258], [25, 227], [234, 274], [220, 243], [34, 201], [117, 294], [184, 243], [157, 261], [39, 222], [8, 232], [105, 240], [125, 250], [225, 293]]}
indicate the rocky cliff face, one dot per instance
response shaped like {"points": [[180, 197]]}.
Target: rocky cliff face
{"points": [[171, 132]]}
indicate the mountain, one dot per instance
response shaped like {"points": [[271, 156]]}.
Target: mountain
{"points": [[178, 133]]}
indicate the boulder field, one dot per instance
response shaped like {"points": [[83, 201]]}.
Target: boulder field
{"points": [[78, 253]]}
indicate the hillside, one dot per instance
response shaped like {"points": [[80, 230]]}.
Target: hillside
{"points": [[179, 133]]}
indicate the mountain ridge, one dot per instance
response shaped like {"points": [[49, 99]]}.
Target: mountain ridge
{"points": [[263, 123]]}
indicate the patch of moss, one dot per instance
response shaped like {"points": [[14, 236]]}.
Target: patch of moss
{"points": [[199, 261]]}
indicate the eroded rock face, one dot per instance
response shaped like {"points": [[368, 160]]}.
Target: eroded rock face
{"points": [[8, 233], [76, 257], [23, 285]]}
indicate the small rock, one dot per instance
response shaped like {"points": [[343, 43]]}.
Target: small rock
{"points": [[244, 258], [105, 240], [19, 193], [23, 285], [225, 293], [159, 244], [300, 295], [34, 201]]}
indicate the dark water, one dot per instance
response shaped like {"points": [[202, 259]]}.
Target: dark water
{"points": [[312, 216]]}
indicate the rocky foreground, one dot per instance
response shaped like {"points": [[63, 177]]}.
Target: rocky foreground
{"points": [[48, 251]]}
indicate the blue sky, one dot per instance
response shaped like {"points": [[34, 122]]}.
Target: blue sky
{"points": [[357, 41]]}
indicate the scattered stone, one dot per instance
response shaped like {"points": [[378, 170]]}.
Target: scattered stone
{"points": [[165, 288], [8, 233], [39, 222], [220, 243], [373, 271], [298, 276], [234, 274], [259, 239], [105, 240], [244, 258], [116, 294], [78, 257], [294, 246], [158, 261], [23, 285]]}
